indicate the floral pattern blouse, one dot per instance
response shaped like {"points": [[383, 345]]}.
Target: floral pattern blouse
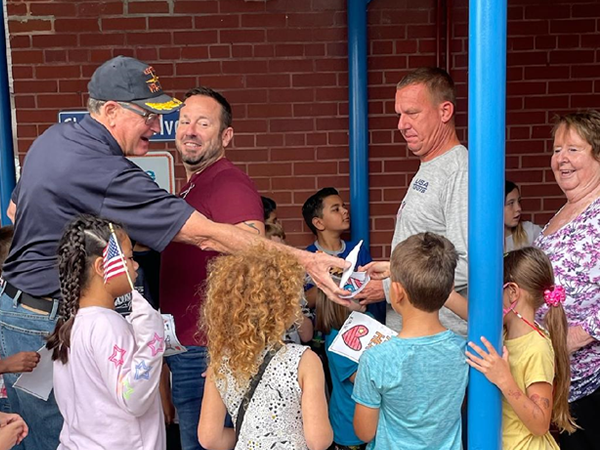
{"points": [[574, 251]]}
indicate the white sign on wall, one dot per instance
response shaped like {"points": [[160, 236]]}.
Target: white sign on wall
{"points": [[160, 166]]}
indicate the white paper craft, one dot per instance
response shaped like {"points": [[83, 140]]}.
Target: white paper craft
{"points": [[172, 344], [352, 281], [39, 381], [359, 333]]}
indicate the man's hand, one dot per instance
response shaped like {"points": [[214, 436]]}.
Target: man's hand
{"points": [[317, 265], [20, 362], [577, 338], [372, 293]]}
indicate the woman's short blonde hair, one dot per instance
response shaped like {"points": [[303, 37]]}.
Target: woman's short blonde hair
{"points": [[586, 124], [252, 298]]}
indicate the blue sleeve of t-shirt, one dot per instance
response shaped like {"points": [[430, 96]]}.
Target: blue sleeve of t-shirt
{"points": [[365, 390]]}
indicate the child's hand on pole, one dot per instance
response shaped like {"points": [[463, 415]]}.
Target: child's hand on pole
{"points": [[494, 367]]}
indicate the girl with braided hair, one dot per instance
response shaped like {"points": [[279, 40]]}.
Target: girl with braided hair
{"points": [[533, 371], [106, 368]]}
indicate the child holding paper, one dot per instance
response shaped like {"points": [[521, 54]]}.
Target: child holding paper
{"points": [[410, 389], [251, 299], [106, 368], [327, 216], [330, 318]]}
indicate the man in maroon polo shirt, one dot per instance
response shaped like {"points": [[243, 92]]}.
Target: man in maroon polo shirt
{"points": [[223, 193]]}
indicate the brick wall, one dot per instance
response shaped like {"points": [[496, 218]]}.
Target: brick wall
{"points": [[283, 66]]}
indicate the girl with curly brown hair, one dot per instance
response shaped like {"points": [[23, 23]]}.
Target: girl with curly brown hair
{"points": [[252, 298]]}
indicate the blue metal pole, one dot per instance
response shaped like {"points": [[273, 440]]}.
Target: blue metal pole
{"points": [[7, 159], [359, 126], [487, 108]]}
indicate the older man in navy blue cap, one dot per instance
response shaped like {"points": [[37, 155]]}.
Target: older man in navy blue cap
{"points": [[76, 168]]}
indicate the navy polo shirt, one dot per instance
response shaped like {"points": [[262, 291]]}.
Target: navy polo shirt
{"points": [[77, 168]]}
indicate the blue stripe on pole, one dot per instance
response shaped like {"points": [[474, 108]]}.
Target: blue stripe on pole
{"points": [[487, 109], [358, 112]]}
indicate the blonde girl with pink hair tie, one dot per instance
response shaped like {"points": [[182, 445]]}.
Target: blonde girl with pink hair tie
{"points": [[533, 371]]}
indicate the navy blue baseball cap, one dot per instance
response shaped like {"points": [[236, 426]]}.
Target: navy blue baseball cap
{"points": [[125, 79]]}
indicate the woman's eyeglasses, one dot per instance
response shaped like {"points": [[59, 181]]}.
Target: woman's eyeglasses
{"points": [[147, 115]]}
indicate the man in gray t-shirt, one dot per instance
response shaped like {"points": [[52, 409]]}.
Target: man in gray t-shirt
{"points": [[436, 199]]}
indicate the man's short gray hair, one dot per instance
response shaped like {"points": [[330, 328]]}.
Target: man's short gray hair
{"points": [[94, 105], [438, 82]]}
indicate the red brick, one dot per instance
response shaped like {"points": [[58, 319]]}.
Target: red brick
{"points": [[99, 9], [198, 68], [573, 26], [549, 11], [72, 85], [585, 101], [568, 41], [223, 81], [269, 140], [569, 87], [316, 168], [241, 36], [20, 41], [526, 88], [269, 20], [317, 79], [17, 9], [195, 37], [263, 50], [269, 110], [100, 55], [93, 40], [234, 6], [146, 54], [295, 139], [251, 126], [27, 56], [289, 50], [269, 169], [574, 57], [534, 58], [169, 23], [123, 23], [216, 21], [545, 73], [321, 19], [25, 101], [52, 56], [196, 7], [79, 55], [55, 9], [30, 25], [284, 125], [584, 10], [520, 43], [244, 67], [254, 81], [58, 72], [60, 101], [315, 109], [293, 65], [136, 7], [292, 154], [546, 42], [244, 140], [76, 25]]}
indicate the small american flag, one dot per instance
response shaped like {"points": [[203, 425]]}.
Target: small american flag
{"points": [[114, 262]]}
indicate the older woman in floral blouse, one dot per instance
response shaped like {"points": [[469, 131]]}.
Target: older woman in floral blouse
{"points": [[572, 241]]}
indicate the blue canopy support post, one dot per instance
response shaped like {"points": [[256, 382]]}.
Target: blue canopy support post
{"points": [[487, 109], [359, 119], [7, 158]]}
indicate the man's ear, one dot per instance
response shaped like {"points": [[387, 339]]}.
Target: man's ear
{"points": [[446, 111], [98, 266], [110, 110], [226, 136], [318, 223]]}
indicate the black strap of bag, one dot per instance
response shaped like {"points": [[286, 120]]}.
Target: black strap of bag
{"points": [[250, 392]]}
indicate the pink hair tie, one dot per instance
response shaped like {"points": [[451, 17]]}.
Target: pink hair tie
{"points": [[555, 296]]}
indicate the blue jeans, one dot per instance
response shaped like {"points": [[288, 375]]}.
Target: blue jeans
{"points": [[187, 391], [24, 330]]}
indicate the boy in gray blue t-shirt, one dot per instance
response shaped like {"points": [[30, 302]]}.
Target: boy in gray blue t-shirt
{"points": [[409, 390]]}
